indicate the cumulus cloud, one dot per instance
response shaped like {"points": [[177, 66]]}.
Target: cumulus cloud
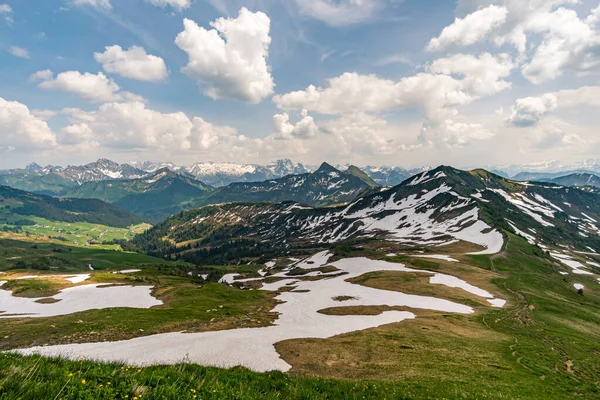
{"points": [[530, 110], [21, 130], [105, 4], [568, 41], [482, 75], [94, 88], [18, 52], [133, 63], [304, 128], [550, 36], [231, 59], [176, 4], [437, 93], [551, 137], [75, 134], [471, 29], [41, 75], [133, 126], [340, 12], [430, 92]]}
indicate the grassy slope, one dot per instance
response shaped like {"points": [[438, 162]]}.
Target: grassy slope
{"points": [[80, 233], [52, 255], [543, 344]]}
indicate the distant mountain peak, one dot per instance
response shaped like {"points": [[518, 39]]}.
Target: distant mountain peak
{"points": [[326, 168], [35, 167]]}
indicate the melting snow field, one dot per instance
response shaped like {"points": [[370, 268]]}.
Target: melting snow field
{"points": [[298, 318], [437, 257], [576, 266], [77, 299]]}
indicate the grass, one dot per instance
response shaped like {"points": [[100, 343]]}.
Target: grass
{"points": [[41, 378], [81, 234], [29, 253], [35, 288], [545, 343]]}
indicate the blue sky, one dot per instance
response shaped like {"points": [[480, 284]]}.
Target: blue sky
{"points": [[384, 92]]}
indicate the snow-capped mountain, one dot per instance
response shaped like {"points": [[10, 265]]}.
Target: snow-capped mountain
{"points": [[100, 170], [56, 181], [155, 196], [222, 174], [549, 169], [327, 185], [151, 166], [433, 209]]}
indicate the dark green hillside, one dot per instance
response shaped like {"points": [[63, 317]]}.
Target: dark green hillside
{"points": [[155, 197], [50, 184], [14, 202]]}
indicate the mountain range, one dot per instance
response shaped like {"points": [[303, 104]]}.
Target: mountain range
{"points": [[324, 187], [436, 208]]}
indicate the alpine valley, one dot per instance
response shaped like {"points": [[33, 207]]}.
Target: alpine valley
{"points": [[146, 280]]}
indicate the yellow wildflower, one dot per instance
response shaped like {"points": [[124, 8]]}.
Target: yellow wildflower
{"points": [[83, 381]]}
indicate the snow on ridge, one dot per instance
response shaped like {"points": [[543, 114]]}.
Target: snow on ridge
{"points": [[527, 206], [201, 169], [402, 223]]}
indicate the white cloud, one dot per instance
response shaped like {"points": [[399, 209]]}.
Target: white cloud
{"points": [[435, 93], [305, 128], [75, 134], [7, 11], [456, 133], [18, 52], [340, 12], [447, 84], [552, 137], [586, 95], [483, 74], [44, 115], [176, 4], [550, 37], [133, 126], [94, 3], [568, 41], [22, 130], [94, 88], [349, 92], [530, 110], [471, 29], [231, 59], [133, 63], [42, 75]]}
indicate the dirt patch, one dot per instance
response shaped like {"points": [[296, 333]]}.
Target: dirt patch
{"points": [[48, 300], [344, 298]]}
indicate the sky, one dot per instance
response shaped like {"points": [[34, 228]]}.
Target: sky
{"points": [[368, 82]]}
